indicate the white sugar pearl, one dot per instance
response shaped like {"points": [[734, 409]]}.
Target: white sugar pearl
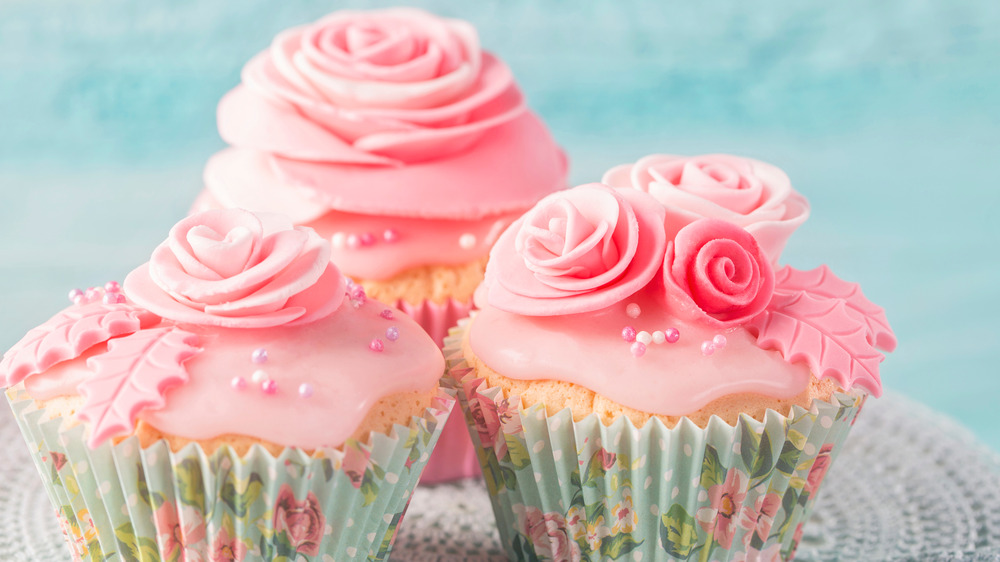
{"points": [[659, 337], [339, 239], [467, 241], [644, 337], [258, 376]]}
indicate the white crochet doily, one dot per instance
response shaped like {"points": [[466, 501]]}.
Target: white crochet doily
{"points": [[912, 485]]}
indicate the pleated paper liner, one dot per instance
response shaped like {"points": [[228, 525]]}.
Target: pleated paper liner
{"points": [[565, 490], [454, 458], [125, 502]]}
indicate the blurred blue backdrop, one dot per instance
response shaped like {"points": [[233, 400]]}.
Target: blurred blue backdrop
{"points": [[886, 115]]}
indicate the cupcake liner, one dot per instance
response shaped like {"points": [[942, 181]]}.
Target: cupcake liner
{"points": [[126, 502], [454, 458], [580, 490]]}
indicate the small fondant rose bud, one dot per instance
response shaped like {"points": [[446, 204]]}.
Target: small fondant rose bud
{"points": [[577, 250], [716, 272]]}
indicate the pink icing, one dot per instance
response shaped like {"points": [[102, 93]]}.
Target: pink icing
{"points": [[748, 193], [233, 268], [669, 379], [577, 251], [346, 377], [715, 272], [507, 170]]}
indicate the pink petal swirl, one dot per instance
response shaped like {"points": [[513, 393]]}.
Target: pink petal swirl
{"points": [[577, 250], [748, 193], [716, 272], [233, 268]]}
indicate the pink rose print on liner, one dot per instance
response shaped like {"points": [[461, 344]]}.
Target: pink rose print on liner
{"points": [[548, 533], [378, 87], [715, 271], [235, 269], [302, 522], [760, 517], [179, 532], [818, 470], [725, 499], [226, 548], [748, 193], [576, 251]]}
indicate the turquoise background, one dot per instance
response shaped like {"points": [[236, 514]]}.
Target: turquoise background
{"points": [[886, 115]]}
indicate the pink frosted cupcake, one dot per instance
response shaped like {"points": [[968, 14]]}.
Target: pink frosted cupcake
{"points": [[394, 136], [644, 383], [237, 398]]}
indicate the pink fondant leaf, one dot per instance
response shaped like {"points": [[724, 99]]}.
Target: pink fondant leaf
{"points": [[133, 376], [68, 334], [821, 282], [824, 333]]}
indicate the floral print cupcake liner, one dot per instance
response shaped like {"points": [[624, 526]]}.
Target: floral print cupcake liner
{"points": [[454, 458], [567, 490], [125, 502]]}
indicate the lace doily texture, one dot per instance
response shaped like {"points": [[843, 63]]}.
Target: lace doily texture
{"points": [[919, 487]]}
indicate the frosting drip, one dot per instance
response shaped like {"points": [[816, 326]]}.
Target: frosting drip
{"points": [[670, 379], [345, 376]]}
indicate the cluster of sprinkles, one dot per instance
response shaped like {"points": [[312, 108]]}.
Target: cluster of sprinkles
{"points": [[641, 340], [111, 293], [357, 296], [259, 377], [354, 241]]}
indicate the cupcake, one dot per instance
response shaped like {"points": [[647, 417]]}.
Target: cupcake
{"points": [[643, 382], [236, 399], [394, 136]]}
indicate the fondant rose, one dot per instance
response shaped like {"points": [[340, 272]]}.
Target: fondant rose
{"points": [[748, 193], [577, 250], [715, 271], [385, 86], [302, 522], [233, 268]]}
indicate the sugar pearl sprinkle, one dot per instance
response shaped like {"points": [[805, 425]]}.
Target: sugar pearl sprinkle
{"points": [[633, 310], [305, 390], [269, 387], [467, 241], [357, 240], [258, 376], [628, 334], [238, 383], [707, 348], [638, 349], [259, 355], [109, 294], [672, 335], [392, 333], [387, 314], [719, 341], [376, 345], [390, 235]]}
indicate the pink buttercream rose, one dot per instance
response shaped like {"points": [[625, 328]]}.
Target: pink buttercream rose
{"points": [[302, 522], [377, 87], [576, 251], [235, 269], [748, 193], [714, 271]]}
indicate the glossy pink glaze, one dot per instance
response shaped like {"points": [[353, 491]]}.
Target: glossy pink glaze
{"points": [[346, 377], [669, 378]]}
